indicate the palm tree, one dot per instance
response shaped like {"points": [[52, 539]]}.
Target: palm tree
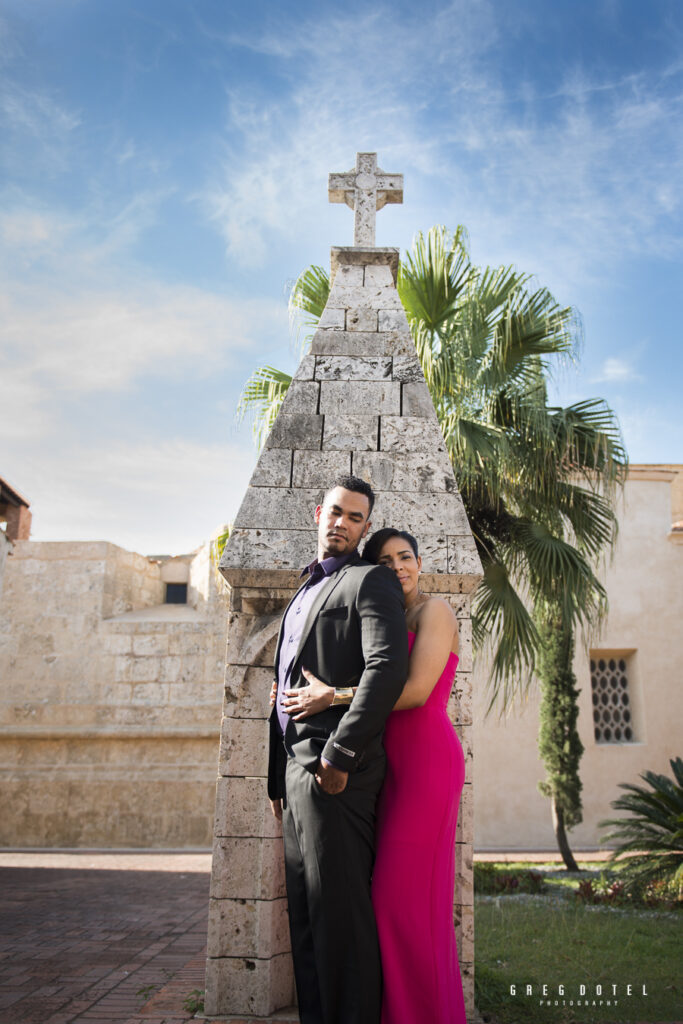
{"points": [[650, 839], [537, 481]]}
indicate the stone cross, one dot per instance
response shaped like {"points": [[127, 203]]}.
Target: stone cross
{"points": [[366, 189]]}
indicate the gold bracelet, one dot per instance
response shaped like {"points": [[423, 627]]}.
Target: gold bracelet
{"points": [[342, 695]]}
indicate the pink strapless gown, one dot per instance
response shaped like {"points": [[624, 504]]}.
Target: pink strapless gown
{"points": [[412, 882]]}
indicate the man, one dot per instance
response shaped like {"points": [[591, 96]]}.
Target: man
{"points": [[346, 625]]}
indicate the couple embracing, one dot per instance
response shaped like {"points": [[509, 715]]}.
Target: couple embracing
{"points": [[366, 771]]}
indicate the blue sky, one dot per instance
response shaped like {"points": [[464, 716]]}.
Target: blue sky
{"points": [[163, 177]]}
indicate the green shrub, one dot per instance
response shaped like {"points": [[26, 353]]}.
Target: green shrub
{"points": [[650, 840], [494, 879]]}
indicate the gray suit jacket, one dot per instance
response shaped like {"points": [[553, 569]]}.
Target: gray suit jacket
{"points": [[354, 635]]}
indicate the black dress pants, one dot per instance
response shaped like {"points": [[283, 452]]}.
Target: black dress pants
{"points": [[329, 852]]}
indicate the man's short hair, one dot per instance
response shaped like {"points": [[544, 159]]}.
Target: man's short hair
{"points": [[353, 483]]}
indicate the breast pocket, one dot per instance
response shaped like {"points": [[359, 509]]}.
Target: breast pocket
{"points": [[340, 612]]}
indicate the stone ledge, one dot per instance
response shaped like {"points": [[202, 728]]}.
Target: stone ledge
{"points": [[360, 256]]}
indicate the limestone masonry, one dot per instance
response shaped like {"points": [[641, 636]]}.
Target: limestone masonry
{"points": [[109, 697], [358, 403]]}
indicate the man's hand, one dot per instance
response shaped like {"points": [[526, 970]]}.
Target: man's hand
{"points": [[308, 700], [276, 808], [330, 779]]}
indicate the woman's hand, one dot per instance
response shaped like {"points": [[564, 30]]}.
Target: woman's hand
{"points": [[308, 700], [273, 693]]}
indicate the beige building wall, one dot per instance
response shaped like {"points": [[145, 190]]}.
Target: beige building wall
{"points": [[109, 699], [645, 588]]}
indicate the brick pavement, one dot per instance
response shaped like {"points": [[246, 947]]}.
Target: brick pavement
{"points": [[90, 937], [87, 944]]}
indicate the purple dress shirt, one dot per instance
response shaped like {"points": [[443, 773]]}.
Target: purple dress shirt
{"points": [[293, 625]]}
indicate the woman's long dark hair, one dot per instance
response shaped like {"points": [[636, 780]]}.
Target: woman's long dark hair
{"points": [[372, 549]]}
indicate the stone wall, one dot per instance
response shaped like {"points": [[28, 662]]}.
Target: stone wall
{"points": [[110, 699], [357, 403]]}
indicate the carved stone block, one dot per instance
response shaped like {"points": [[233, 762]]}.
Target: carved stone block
{"points": [[464, 830], [392, 320], [422, 513], [296, 431], [273, 469], [246, 985], [318, 469], [306, 368], [411, 434], [361, 320], [243, 747], [269, 508], [368, 297], [284, 549], [467, 975], [416, 400], [465, 733], [348, 276], [247, 868], [404, 471], [407, 368], [351, 433], [247, 691], [248, 635], [362, 343], [302, 396], [243, 809], [379, 277], [344, 398], [463, 556], [353, 368], [460, 700], [332, 319], [463, 918], [256, 928]]}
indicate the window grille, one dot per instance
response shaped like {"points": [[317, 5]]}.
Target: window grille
{"points": [[612, 713]]}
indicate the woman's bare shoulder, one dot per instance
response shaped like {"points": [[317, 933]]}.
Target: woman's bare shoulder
{"points": [[436, 614], [436, 611]]}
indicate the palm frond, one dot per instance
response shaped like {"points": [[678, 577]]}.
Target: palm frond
{"points": [[557, 572], [262, 396], [307, 301], [588, 436], [650, 840], [433, 278], [502, 624]]}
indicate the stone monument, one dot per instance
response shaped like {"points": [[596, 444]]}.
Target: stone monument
{"points": [[358, 403]]}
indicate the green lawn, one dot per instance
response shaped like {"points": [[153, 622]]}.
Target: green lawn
{"points": [[531, 940]]}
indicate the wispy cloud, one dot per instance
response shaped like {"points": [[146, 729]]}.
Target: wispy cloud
{"points": [[37, 129], [105, 340], [616, 370], [562, 183], [338, 97]]}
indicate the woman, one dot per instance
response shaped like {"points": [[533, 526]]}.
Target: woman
{"points": [[412, 883]]}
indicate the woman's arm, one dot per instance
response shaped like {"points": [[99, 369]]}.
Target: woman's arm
{"points": [[434, 642], [437, 630]]}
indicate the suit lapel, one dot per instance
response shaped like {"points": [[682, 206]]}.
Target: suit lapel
{"points": [[319, 602]]}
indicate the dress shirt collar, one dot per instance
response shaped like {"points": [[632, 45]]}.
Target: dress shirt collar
{"points": [[328, 565]]}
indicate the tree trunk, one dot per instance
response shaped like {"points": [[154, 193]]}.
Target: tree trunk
{"points": [[561, 837]]}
